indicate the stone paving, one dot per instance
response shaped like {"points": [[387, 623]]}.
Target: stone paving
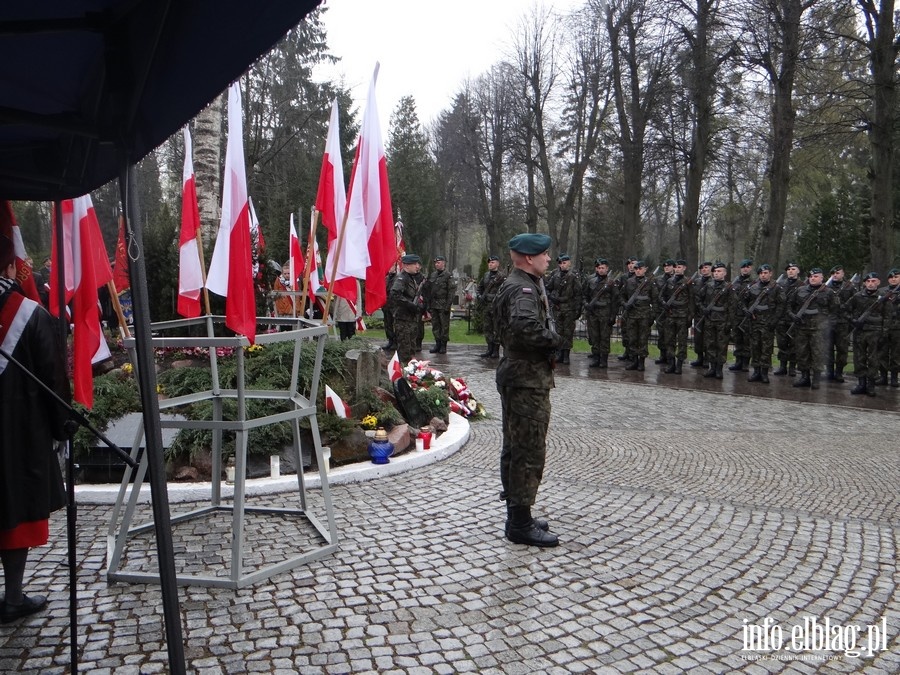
{"points": [[690, 522]]}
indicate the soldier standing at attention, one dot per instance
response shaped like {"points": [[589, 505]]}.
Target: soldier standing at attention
{"points": [[388, 310], [602, 301], [869, 314], [620, 284], [639, 296], [762, 311], [889, 352], [837, 334], [661, 284], [487, 290], [678, 299], [409, 307], [716, 302], [564, 293], [441, 290], [809, 309], [741, 338], [705, 271], [787, 362], [524, 380]]}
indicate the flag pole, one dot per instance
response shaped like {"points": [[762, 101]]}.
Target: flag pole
{"points": [[337, 256], [114, 298], [199, 238], [310, 252]]}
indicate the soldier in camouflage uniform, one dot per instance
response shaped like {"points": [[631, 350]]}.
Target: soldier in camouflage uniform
{"points": [[716, 302], [677, 307], [661, 284], [837, 333], [601, 300], [787, 362], [441, 291], [409, 307], [388, 311], [524, 379], [870, 316], [487, 290], [889, 352], [639, 296], [564, 293], [762, 310], [620, 283], [741, 337], [809, 309], [705, 277]]}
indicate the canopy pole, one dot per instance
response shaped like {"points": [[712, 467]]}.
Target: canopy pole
{"points": [[146, 372]]}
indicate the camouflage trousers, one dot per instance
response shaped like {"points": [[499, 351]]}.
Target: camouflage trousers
{"points": [[890, 350], [700, 343], [676, 335], [808, 348], [740, 337], [837, 344], [406, 337], [785, 342], [526, 417], [487, 325], [865, 353], [440, 324], [637, 330], [762, 343], [599, 333], [716, 335], [565, 326], [389, 324]]}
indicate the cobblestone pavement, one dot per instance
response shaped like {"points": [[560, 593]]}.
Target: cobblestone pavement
{"points": [[688, 520]]}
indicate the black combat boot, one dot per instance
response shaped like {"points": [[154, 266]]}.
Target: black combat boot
{"points": [[870, 386], [436, 349], [443, 349], [839, 374], [565, 358], [489, 350], [894, 382], [711, 371], [539, 523], [860, 388], [882, 377], [640, 364], [495, 350], [625, 357], [678, 364], [718, 368], [663, 358], [671, 367], [814, 380], [594, 361], [829, 373], [738, 364], [633, 365], [803, 380], [755, 376], [792, 368], [697, 363], [764, 375], [521, 528], [781, 369]]}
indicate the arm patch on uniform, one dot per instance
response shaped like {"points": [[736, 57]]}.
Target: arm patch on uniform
{"points": [[526, 289]]}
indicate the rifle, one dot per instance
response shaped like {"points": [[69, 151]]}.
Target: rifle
{"points": [[860, 320], [750, 312], [708, 309], [490, 287], [667, 305], [610, 282], [634, 296], [803, 308]]}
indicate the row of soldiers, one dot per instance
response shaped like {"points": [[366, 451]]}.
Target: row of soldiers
{"points": [[811, 321]]}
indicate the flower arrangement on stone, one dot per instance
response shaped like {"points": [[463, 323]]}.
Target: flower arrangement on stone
{"points": [[421, 375], [369, 422]]}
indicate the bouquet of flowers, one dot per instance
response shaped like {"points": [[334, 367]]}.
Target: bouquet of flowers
{"points": [[421, 375]]}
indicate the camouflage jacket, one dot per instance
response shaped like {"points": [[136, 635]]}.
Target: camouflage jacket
{"points": [[564, 291], [404, 292], [677, 296], [441, 289], [601, 296], [716, 301], [878, 317], [529, 344], [764, 303], [638, 298], [823, 302], [489, 285]]}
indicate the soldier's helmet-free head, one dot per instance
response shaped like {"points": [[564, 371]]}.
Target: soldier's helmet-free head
{"points": [[640, 267], [682, 263], [719, 270], [411, 259], [493, 258], [765, 267], [439, 258], [669, 263], [746, 262], [816, 275], [601, 261], [894, 275], [530, 243]]}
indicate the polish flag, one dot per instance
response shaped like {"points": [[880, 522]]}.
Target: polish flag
{"points": [[335, 404], [86, 269], [24, 273], [394, 370], [121, 280], [190, 272], [331, 202], [315, 263], [231, 268], [369, 204]]}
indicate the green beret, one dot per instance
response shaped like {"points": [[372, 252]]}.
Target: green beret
{"points": [[493, 257], [765, 267], [719, 265], [439, 258], [791, 264], [816, 270], [894, 272], [600, 261], [746, 262], [682, 262], [706, 263], [871, 275], [529, 243], [669, 262], [639, 263], [837, 268], [563, 257], [410, 258]]}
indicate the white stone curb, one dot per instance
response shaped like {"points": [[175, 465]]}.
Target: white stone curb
{"points": [[442, 447]]}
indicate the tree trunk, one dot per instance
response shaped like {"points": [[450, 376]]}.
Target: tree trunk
{"points": [[208, 166]]}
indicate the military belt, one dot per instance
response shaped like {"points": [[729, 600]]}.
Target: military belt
{"points": [[531, 357]]}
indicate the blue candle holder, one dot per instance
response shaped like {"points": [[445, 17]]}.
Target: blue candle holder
{"points": [[380, 448]]}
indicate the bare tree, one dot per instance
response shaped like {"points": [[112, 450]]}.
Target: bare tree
{"points": [[207, 141]]}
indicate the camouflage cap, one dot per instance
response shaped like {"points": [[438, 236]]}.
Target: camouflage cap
{"points": [[529, 243], [410, 258]]}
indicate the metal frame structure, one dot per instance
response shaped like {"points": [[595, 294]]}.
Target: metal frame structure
{"points": [[303, 406]]}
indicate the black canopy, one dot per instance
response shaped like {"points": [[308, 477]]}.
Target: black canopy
{"points": [[83, 81]]}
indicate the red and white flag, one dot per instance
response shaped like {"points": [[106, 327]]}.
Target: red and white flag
{"points": [[335, 404], [121, 279], [315, 263], [394, 370], [401, 247], [331, 202], [190, 271], [231, 268], [24, 273], [86, 269], [256, 233], [369, 203]]}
